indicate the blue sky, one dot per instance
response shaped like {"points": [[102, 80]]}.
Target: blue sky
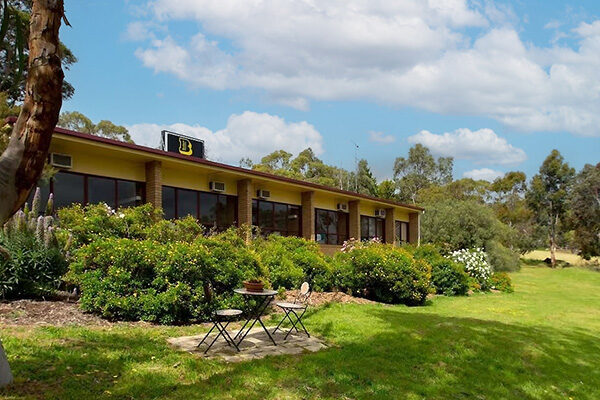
{"points": [[497, 85]]}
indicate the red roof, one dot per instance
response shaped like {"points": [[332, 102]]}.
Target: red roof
{"points": [[150, 150]]}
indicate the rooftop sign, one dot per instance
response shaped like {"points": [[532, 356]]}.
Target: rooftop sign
{"points": [[188, 146]]}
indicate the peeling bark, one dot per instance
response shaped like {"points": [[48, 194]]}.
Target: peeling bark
{"points": [[23, 160]]}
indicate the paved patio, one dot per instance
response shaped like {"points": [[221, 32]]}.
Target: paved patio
{"points": [[256, 345]]}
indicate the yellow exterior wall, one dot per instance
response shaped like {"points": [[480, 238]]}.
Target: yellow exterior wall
{"points": [[279, 193], [196, 179], [87, 162], [108, 160]]}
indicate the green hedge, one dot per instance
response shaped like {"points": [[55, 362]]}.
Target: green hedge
{"points": [[132, 265], [143, 279], [384, 273], [291, 261], [447, 277]]}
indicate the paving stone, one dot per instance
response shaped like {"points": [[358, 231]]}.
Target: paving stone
{"points": [[255, 346]]}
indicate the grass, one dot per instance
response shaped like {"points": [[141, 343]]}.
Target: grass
{"points": [[541, 342]]}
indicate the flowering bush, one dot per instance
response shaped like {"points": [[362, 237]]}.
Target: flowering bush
{"points": [[447, 277], [97, 221], [293, 260], [160, 282], [476, 265], [501, 281], [31, 261], [384, 273]]}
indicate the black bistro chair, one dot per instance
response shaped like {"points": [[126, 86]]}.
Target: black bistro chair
{"points": [[219, 317], [297, 309]]}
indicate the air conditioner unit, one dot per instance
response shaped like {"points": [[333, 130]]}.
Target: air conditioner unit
{"points": [[342, 207], [216, 186], [380, 212], [263, 194], [61, 160]]}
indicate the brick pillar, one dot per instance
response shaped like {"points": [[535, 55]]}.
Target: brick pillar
{"points": [[389, 226], [244, 192], [154, 183], [308, 215], [354, 219], [414, 228]]}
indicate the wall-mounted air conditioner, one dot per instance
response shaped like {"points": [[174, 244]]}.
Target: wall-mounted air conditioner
{"points": [[61, 160], [342, 207], [380, 212], [263, 194], [216, 186]]}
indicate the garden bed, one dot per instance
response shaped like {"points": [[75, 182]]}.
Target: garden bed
{"points": [[54, 313], [64, 312]]}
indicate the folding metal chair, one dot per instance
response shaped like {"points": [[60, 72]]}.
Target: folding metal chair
{"points": [[300, 304], [217, 318]]}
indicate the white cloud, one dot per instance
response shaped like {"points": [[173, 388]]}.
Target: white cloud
{"points": [[380, 137], [483, 146], [248, 134], [485, 174], [408, 53]]}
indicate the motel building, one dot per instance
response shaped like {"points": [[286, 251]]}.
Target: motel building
{"points": [[93, 169]]}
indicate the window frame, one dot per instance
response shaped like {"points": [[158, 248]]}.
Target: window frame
{"points": [[273, 229], [86, 186], [337, 213], [376, 220], [199, 206], [397, 224]]}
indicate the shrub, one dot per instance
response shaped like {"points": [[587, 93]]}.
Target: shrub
{"points": [[476, 265], [159, 282], [502, 258], [385, 273], [98, 221], [502, 282], [449, 278], [31, 269], [293, 260], [31, 262], [180, 230]]}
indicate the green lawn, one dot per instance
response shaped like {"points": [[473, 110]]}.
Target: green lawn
{"points": [[541, 342]]}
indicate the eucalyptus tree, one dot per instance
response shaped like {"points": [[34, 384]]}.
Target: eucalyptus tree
{"points": [[420, 170], [585, 210], [23, 160], [548, 196]]}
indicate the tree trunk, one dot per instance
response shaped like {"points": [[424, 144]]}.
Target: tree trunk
{"points": [[22, 162], [553, 252]]}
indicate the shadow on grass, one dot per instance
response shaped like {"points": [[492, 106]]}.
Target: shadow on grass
{"points": [[405, 355]]}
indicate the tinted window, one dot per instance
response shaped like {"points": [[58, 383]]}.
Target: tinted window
{"points": [[101, 190], [130, 193], [331, 227], [265, 214], [208, 209], [371, 227], [168, 202], [276, 218], [293, 221], [401, 231], [187, 203], [68, 189]]}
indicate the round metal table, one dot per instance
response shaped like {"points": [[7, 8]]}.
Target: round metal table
{"points": [[263, 298]]}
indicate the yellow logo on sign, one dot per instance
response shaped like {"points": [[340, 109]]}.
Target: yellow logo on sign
{"points": [[185, 147]]}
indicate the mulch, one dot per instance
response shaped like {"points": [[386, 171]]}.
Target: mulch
{"points": [[67, 312]]}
